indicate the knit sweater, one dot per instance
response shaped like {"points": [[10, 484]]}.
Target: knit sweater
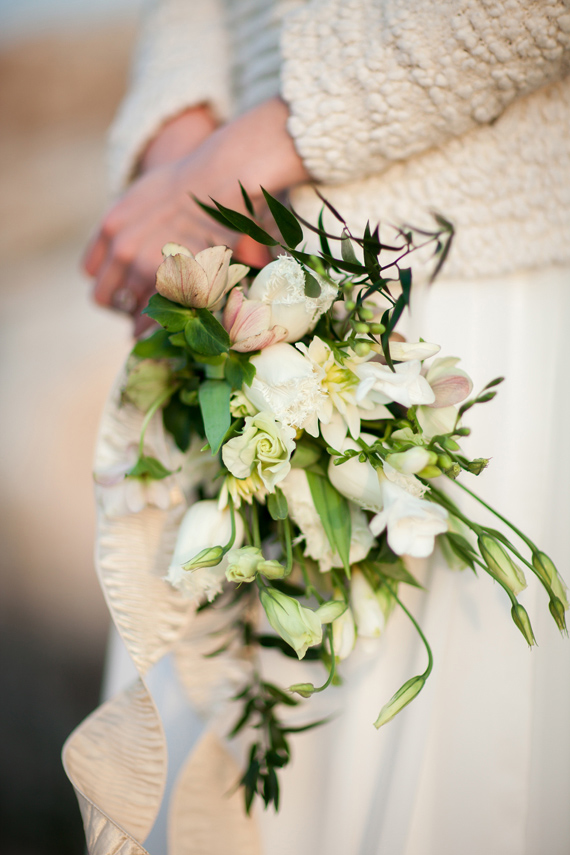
{"points": [[397, 109]]}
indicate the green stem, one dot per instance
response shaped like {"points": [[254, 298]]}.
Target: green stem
{"points": [[152, 410], [330, 678], [288, 545], [310, 590], [255, 525], [427, 672], [231, 541], [522, 536]]}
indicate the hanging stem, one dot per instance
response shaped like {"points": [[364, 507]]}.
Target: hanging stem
{"points": [[255, 525], [330, 678], [522, 536], [427, 672]]}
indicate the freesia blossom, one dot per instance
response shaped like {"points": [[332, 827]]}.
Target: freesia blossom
{"points": [[403, 351], [303, 512], [357, 481], [120, 494], [412, 461], [281, 285], [298, 626], [405, 385], [202, 526], [265, 446], [197, 281], [287, 385], [248, 323], [412, 523], [450, 385], [339, 412]]}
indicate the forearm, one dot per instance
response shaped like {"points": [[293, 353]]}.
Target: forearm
{"points": [[178, 137]]}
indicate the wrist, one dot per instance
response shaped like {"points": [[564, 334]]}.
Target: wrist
{"points": [[178, 137]]}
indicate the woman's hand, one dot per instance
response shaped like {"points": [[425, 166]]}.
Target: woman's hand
{"points": [[158, 207]]}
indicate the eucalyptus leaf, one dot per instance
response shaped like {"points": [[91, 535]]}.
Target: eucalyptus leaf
{"points": [[246, 200], [214, 397], [172, 316], [286, 221], [346, 249], [334, 511], [312, 285], [245, 225]]}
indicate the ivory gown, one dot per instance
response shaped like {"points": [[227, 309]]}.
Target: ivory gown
{"points": [[462, 106]]}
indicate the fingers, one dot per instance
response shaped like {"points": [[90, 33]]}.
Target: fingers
{"points": [[251, 253], [95, 254]]}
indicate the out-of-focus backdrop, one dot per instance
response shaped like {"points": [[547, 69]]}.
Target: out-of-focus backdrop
{"points": [[63, 69]]}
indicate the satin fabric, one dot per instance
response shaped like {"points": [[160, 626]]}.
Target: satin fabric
{"points": [[480, 762]]}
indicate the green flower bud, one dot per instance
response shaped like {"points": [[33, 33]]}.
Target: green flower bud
{"points": [[477, 466], [450, 444], [464, 431], [550, 577], [445, 461], [299, 627], [362, 348], [366, 314], [350, 305], [558, 613], [209, 557], [377, 329], [521, 618], [361, 327], [243, 564], [430, 472], [331, 611], [402, 698], [454, 472], [303, 689], [272, 569], [500, 564]]}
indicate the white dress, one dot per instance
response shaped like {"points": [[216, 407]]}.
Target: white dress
{"points": [[480, 762]]}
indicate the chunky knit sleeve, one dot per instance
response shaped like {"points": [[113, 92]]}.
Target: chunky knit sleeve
{"points": [[181, 62], [371, 82]]}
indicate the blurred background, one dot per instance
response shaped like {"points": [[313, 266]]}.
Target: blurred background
{"points": [[63, 69]]}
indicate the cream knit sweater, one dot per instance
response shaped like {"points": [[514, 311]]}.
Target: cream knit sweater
{"points": [[397, 108]]}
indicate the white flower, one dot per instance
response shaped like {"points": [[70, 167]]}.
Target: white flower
{"points": [[411, 461], [403, 351], [281, 284], [287, 385], [298, 626], [202, 526], [339, 411], [248, 323], [405, 385], [265, 446], [344, 635], [436, 421], [242, 563], [198, 281], [409, 483], [303, 512], [367, 609], [357, 481], [120, 495], [450, 385], [412, 523]]}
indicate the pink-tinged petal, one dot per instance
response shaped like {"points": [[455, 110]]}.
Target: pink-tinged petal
{"points": [[215, 262], [260, 341], [181, 279], [253, 318], [451, 389], [232, 307]]}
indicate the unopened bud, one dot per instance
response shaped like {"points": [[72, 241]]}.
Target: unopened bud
{"points": [[454, 472], [209, 557], [521, 619], [445, 461], [350, 305], [366, 314], [430, 472], [501, 565], [550, 576], [397, 702], [303, 689], [272, 569], [558, 613], [361, 327], [477, 466], [464, 431], [450, 444], [331, 611], [362, 348], [377, 329]]}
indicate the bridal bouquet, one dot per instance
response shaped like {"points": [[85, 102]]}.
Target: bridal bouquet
{"points": [[319, 445]]}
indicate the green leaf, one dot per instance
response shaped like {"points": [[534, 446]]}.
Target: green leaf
{"points": [[280, 695], [305, 454], [334, 512], [238, 370], [172, 316], [156, 346], [286, 221], [312, 285], [398, 572], [149, 467], [277, 505], [206, 335], [241, 223], [214, 397], [246, 200], [346, 249], [178, 420]]}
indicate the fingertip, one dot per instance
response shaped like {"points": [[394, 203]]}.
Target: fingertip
{"points": [[94, 255]]}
